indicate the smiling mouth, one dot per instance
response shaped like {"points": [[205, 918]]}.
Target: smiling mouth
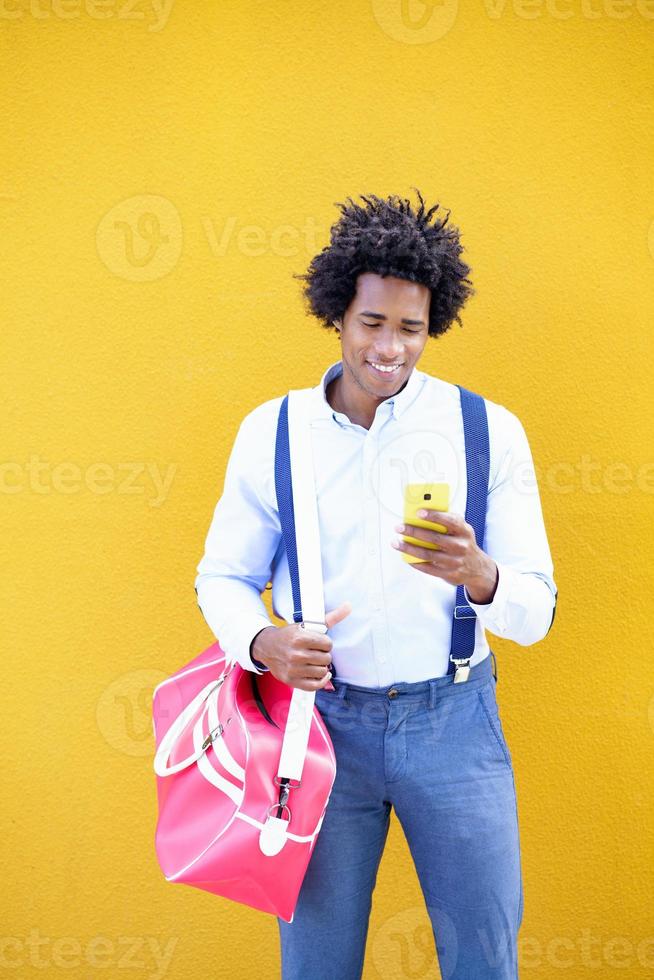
{"points": [[390, 372]]}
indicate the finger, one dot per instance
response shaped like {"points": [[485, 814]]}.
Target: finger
{"points": [[413, 549], [339, 613], [425, 534], [432, 568], [310, 684], [451, 520], [312, 640], [316, 658], [319, 640], [315, 672]]}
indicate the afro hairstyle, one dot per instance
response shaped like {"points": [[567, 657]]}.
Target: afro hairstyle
{"points": [[389, 238]]}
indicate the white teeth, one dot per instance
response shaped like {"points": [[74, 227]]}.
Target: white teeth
{"points": [[387, 370]]}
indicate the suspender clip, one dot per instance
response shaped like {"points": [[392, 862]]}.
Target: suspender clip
{"points": [[313, 626], [462, 671]]}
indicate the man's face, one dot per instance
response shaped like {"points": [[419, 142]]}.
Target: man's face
{"points": [[386, 323]]}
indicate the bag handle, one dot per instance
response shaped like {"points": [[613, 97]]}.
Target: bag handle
{"points": [[164, 748]]}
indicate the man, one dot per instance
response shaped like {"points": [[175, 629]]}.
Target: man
{"points": [[405, 736]]}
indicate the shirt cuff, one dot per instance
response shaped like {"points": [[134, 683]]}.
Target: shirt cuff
{"points": [[493, 614], [249, 630]]}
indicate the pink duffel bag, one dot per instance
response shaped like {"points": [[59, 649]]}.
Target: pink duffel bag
{"points": [[244, 763], [244, 769]]}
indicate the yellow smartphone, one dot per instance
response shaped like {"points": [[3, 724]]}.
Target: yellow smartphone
{"points": [[432, 496]]}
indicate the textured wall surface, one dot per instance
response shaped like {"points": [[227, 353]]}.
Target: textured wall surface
{"points": [[168, 168]]}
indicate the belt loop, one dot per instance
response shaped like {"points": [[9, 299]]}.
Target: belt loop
{"points": [[494, 665], [340, 690], [432, 692]]}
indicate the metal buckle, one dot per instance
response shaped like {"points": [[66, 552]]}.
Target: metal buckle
{"points": [[289, 783], [308, 624], [275, 806], [285, 788], [472, 615], [211, 736], [462, 671]]}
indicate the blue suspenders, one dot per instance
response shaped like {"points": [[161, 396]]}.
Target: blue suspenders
{"points": [[284, 490], [475, 429]]}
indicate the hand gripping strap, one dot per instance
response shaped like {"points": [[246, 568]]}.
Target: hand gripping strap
{"points": [[475, 430]]}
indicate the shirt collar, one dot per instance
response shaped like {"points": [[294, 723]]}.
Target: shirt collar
{"points": [[397, 403]]}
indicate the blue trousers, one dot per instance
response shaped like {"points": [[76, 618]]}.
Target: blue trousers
{"points": [[436, 752]]}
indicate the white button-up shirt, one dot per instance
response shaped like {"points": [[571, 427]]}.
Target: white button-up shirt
{"points": [[400, 627]]}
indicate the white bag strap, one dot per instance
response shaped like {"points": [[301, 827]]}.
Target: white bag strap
{"points": [[305, 506], [307, 534]]}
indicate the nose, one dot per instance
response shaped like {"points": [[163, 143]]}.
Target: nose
{"points": [[390, 354], [389, 348]]}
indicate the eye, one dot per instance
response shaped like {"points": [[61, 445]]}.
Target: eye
{"points": [[406, 329]]}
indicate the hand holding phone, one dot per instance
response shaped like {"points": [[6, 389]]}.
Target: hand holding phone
{"points": [[417, 496]]}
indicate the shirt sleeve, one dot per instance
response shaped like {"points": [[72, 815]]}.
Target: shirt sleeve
{"points": [[242, 540], [523, 606]]}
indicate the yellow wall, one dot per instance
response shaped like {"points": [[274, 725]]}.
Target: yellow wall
{"points": [[165, 175]]}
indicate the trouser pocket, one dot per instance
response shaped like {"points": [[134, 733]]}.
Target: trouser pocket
{"points": [[489, 705]]}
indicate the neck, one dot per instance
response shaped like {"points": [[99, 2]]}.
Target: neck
{"points": [[346, 396]]}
